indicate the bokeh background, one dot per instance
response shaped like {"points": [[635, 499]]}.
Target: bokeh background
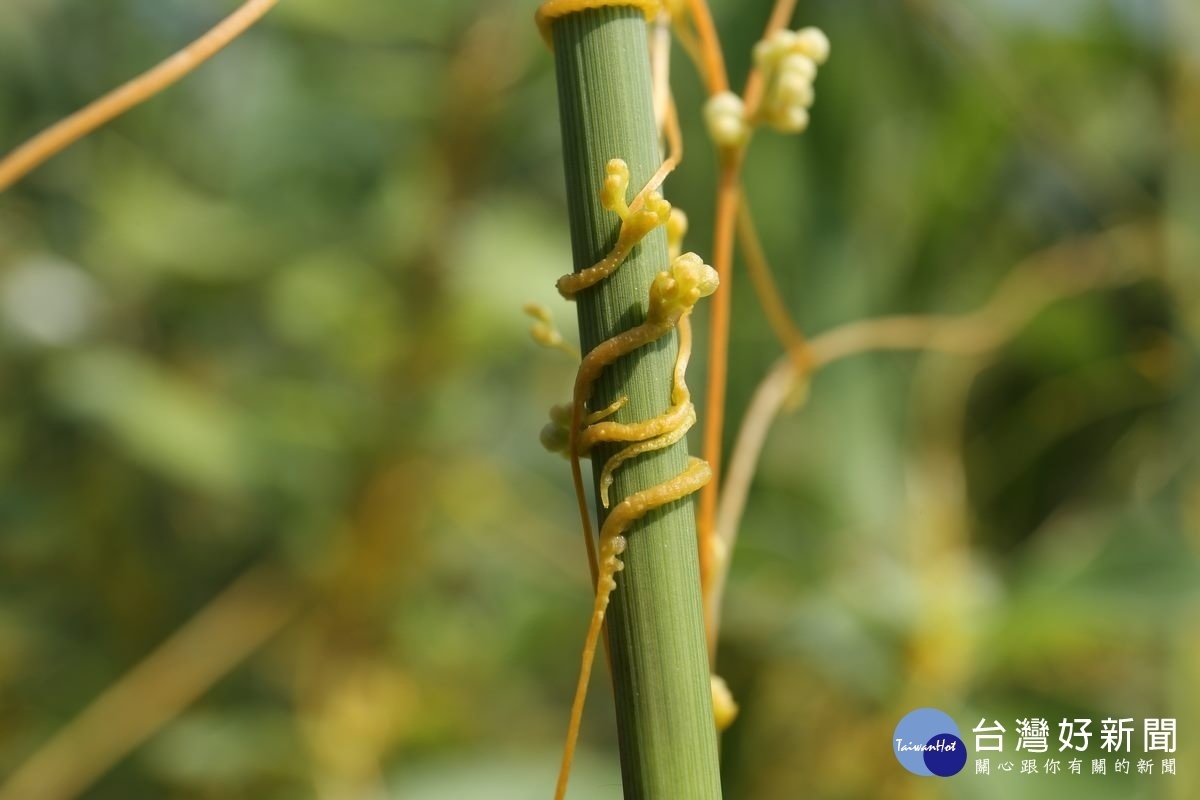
{"points": [[274, 522]]}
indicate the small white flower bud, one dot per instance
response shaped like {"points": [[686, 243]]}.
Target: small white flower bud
{"points": [[794, 93], [554, 438], [764, 53], [798, 65], [778, 44], [813, 43], [560, 414], [616, 183], [725, 708], [725, 116], [789, 119], [793, 86], [676, 229]]}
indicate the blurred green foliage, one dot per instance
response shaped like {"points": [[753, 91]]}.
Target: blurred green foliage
{"points": [[273, 317]]}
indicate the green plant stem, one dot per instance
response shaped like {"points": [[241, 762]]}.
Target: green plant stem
{"points": [[655, 628]]}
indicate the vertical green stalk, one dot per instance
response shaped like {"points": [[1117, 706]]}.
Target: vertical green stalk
{"points": [[655, 628]]}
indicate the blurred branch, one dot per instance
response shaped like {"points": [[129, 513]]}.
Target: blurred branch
{"points": [[1115, 257], [769, 298], [231, 627], [65, 132]]}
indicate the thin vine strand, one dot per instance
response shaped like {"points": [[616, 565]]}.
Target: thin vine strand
{"points": [[30, 155]]}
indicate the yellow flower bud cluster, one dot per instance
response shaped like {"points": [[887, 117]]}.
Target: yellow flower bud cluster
{"points": [[789, 61]]}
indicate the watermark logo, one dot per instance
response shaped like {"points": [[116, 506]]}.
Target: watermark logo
{"points": [[927, 742]]}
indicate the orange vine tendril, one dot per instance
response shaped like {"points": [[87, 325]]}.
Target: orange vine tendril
{"points": [[718, 352], [785, 329], [715, 77], [673, 294], [730, 120], [62, 134], [569, 284], [635, 225]]}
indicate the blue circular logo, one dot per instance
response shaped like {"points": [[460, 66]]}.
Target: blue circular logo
{"points": [[927, 742]]}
